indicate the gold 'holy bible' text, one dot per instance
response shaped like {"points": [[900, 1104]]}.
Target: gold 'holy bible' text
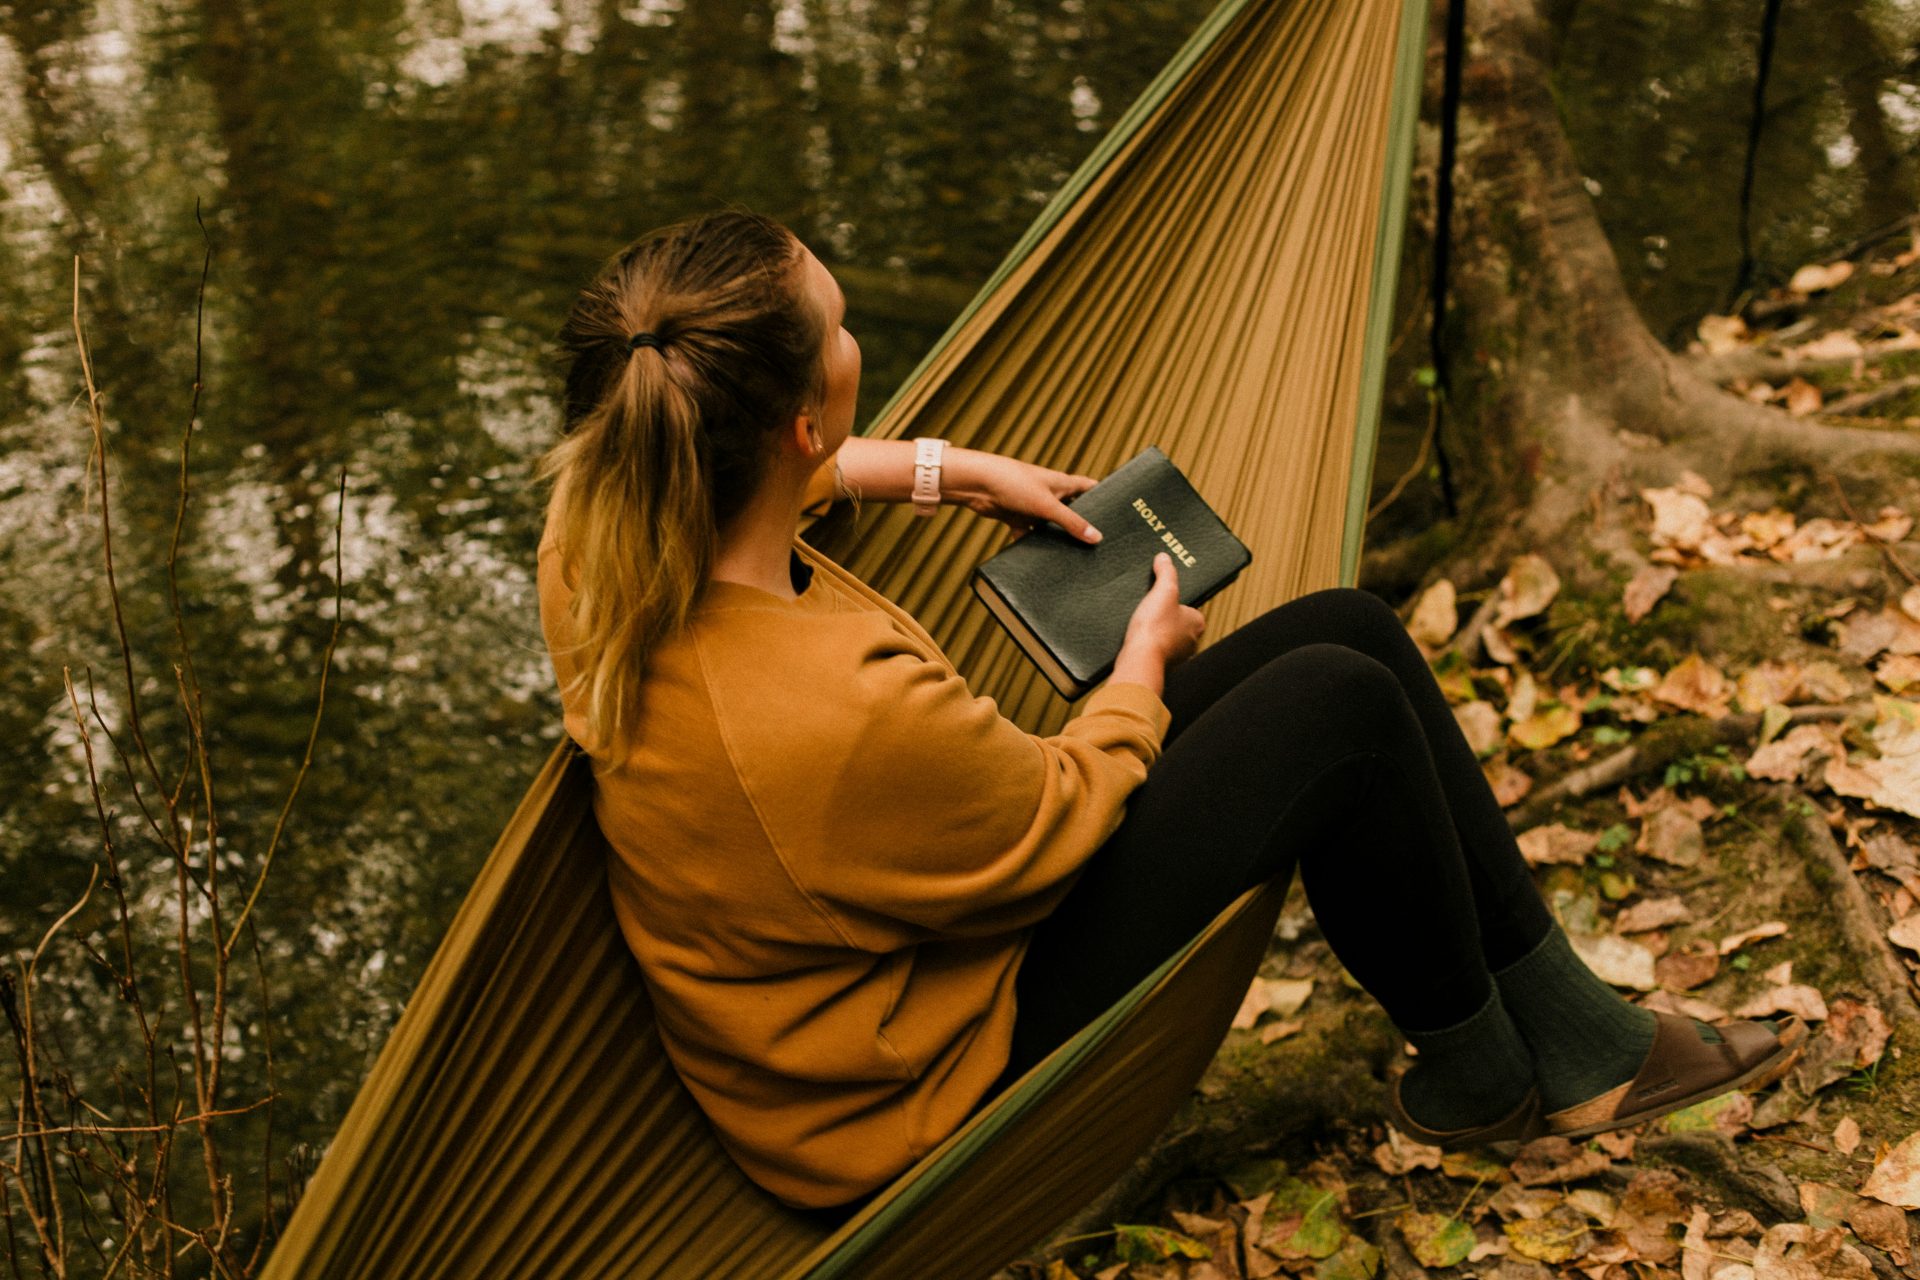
{"points": [[1159, 526]]}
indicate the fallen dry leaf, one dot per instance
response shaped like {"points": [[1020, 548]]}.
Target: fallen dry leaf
{"points": [[1436, 615], [1696, 1255], [1674, 836], [1892, 525], [1837, 344], [1884, 1226], [1767, 527], [1767, 684], [1801, 397], [1729, 1113], [1479, 720], [1560, 1236], [1896, 774], [1734, 941], [1898, 671], [1523, 696], [1680, 519], [1846, 1135], [1866, 635], [1826, 682], [1514, 1201], [1853, 1037], [1649, 584], [1654, 913], [1400, 1154], [1894, 858], [1436, 1240], [1787, 997], [1721, 334], [1282, 996], [1510, 785], [1816, 278], [1499, 648], [1553, 1160], [1685, 970], [1695, 685], [1817, 539], [1895, 1180], [1684, 1005], [1617, 961], [1541, 730], [1653, 1204], [1528, 587], [1783, 759], [1797, 1251], [1274, 1032], [1555, 842]]}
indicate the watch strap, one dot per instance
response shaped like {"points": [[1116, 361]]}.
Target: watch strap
{"points": [[928, 454]]}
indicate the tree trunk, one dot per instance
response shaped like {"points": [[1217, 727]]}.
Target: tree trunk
{"points": [[1563, 401]]}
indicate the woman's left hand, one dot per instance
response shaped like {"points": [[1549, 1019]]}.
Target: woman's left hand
{"points": [[1022, 494]]}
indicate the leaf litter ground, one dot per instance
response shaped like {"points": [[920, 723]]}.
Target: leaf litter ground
{"points": [[1692, 880]]}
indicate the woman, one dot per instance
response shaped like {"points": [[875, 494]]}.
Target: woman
{"points": [[864, 901]]}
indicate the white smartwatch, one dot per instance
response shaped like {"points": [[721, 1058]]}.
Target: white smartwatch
{"points": [[928, 452]]}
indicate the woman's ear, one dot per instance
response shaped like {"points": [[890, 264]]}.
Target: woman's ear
{"points": [[807, 435]]}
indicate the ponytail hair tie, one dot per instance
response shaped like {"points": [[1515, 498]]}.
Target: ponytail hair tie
{"points": [[640, 340]]}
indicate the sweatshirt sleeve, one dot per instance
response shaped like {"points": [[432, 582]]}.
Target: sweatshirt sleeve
{"points": [[904, 805]]}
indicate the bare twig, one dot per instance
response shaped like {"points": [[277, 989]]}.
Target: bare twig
{"points": [[1419, 462], [313, 733], [1885, 546], [116, 1169]]}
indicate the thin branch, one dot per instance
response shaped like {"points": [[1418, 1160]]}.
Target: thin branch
{"points": [[97, 421], [313, 733], [140, 1128], [1885, 546]]}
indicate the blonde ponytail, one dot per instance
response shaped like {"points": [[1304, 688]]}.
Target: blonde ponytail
{"points": [[689, 348]]}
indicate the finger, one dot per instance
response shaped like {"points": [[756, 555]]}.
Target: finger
{"points": [[1074, 523]]}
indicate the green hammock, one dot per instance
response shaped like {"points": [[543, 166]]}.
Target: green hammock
{"points": [[1216, 279]]}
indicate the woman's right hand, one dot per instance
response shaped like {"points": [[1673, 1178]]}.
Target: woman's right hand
{"points": [[1162, 632]]}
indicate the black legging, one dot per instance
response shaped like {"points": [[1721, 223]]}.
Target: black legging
{"points": [[1314, 735]]}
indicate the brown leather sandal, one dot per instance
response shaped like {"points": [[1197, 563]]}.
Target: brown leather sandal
{"points": [[1688, 1062], [1522, 1124]]}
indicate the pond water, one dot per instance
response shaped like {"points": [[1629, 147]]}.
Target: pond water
{"points": [[400, 198]]}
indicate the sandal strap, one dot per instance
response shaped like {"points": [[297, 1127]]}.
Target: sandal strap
{"points": [[1680, 1063]]}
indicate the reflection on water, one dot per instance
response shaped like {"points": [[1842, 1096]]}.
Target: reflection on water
{"points": [[1659, 97], [401, 196]]}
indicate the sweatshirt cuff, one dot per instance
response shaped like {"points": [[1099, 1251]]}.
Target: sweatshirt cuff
{"points": [[1129, 695]]}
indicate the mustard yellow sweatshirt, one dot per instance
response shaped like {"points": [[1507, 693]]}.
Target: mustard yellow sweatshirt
{"points": [[827, 857]]}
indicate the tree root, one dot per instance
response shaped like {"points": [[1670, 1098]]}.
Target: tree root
{"points": [[1659, 747], [1854, 915], [1748, 1183], [1772, 366], [1849, 406]]}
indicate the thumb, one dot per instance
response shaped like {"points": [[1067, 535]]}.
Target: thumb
{"points": [[1164, 574]]}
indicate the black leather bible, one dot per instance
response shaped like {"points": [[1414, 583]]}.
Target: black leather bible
{"points": [[1067, 603]]}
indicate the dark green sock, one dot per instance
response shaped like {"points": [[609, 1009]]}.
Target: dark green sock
{"points": [[1469, 1074], [1585, 1038]]}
